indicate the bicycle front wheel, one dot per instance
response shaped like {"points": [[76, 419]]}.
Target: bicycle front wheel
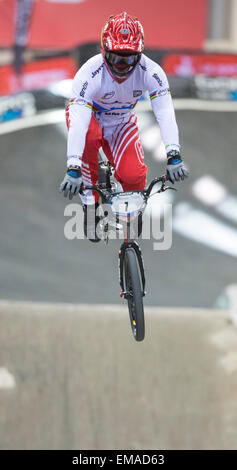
{"points": [[133, 285]]}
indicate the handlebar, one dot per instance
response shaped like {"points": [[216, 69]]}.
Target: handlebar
{"points": [[161, 179], [104, 192]]}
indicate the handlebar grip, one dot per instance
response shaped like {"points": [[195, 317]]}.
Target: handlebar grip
{"points": [[91, 188]]}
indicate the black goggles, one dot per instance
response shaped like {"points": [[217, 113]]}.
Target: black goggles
{"points": [[117, 59]]}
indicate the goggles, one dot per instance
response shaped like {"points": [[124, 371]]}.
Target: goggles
{"points": [[119, 59]]}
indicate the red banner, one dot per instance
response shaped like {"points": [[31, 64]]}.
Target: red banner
{"points": [[7, 23], [36, 75], [64, 24], [216, 65]]}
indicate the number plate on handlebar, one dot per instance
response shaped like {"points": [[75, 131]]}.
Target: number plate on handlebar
{"points": [[128, 206]]}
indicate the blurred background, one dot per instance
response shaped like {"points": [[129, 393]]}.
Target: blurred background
{"points": [[42, 45]]}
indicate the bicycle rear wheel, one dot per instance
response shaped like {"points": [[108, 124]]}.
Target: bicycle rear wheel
{"points": [[134, 293]]}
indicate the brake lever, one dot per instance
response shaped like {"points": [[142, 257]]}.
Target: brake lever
{"points": [[163, 187], [167, 187]]}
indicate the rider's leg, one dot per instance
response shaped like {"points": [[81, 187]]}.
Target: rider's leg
{"points": [[123, 148], [91, 221], [89, 169], [132, 172]]}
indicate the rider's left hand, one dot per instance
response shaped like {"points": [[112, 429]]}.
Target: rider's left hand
{"points": [[176, 169]]}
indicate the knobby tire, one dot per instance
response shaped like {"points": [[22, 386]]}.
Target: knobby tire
{"points": [[132, 278]]}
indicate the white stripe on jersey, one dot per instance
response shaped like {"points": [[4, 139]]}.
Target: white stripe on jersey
{"points": [[123, 138], [122, 129], [84, 170], [139, 151], [86, 180], [124, 148]]}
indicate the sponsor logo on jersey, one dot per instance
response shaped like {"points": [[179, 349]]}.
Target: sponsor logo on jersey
{"points": [[96, 72], [157, 78], [143, 67], [83, 90], [137, 93], [109, 95]]}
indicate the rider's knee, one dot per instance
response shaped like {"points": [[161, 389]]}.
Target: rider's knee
{"points": [[134, 176]]}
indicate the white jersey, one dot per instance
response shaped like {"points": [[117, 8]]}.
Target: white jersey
{"points": [[95, 91]]}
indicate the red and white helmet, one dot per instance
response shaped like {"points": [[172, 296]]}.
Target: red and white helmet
{"points": [[122, 43]]}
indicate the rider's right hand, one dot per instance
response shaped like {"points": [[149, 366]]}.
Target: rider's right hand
{"points": [[72, 182]]}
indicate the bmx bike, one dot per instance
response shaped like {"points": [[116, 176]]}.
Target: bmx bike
{"points": [[122, 210]]}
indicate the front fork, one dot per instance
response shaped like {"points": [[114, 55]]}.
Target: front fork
{"points": [[125, 245]]}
